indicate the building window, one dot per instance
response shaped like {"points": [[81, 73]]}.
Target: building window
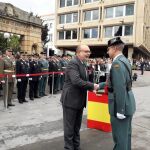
{"points": [[123, 30], [109, 12], [69, 2], [128, 30], [76, 2], [74, 34], [129, 9], [95, 14], [61, 35], [94, 33], [65, 3], [62, 3], [87, 15], [90, 1], [117, 30], [108, 31], [75, 17], [86, 33], [68, 18], [119, 11], [90, 33], [62, 19], [91, 15], [68, 35]]}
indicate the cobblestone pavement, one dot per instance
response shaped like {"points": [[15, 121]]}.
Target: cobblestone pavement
{"points": [[37, 125]]}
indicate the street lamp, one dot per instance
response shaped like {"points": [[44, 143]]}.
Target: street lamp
{"points": [[6, 36]]}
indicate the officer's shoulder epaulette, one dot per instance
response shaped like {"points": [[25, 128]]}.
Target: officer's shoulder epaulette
{"points": [[116, 65]]}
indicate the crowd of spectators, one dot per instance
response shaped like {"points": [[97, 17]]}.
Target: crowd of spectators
{"points": [[98, 70]]}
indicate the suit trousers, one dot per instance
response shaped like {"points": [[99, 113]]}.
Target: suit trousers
{"points": [[72, 119], [121, 131], [22, 87], [33, 88]]}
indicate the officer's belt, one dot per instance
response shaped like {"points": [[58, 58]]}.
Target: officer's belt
{"points": [[44, 69]]}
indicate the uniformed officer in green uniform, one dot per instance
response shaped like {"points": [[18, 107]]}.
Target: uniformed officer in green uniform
{"points": [[9, 70], [44, 65], [120, 95]]}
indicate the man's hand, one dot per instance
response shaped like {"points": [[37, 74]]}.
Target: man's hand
{"points": [[121, 116], [96, 87]]}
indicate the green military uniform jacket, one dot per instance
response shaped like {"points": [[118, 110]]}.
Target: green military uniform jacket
{"points": [[8, 68], [44, 66], [121, 100]]}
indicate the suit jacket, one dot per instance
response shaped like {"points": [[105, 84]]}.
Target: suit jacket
{"points": [[121, 100], [21, 68], [34, 69], [76, 85]]}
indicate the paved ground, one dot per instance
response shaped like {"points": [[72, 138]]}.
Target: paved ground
{"points": [[37, 125]]}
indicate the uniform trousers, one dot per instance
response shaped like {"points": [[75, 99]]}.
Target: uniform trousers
{"points": [[72, 119], [121, 131], [42, 85], [10, 92]]}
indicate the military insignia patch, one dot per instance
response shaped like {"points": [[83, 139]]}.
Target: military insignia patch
{"points": [[116, 66]]}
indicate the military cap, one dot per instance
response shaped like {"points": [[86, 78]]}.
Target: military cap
{"points": [[115, 41]]}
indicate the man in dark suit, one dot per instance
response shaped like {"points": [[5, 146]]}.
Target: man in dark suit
{"points": [[34, 80], [120, 95], [21, 68], [73, 97]]}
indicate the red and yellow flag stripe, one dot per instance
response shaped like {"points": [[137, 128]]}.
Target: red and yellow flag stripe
{"points": [[98, 115]]}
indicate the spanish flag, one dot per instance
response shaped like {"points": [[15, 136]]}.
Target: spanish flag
{"points": [[98, 115]]}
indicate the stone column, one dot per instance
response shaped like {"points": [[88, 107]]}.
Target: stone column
{"points": [[130, 53]]}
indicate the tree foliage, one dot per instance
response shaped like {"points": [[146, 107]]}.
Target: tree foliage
{"points": [[44, 35], [13, 42]]}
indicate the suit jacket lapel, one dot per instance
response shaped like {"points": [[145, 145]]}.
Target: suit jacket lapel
{"points": [[84, 72]]}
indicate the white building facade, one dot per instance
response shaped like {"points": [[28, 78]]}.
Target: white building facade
{"points": [[50, 21]]}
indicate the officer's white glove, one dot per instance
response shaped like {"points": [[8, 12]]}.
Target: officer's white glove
{"points": [[121, 116], [3, 81], [19, 80]]}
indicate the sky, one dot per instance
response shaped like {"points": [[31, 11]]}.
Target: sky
{"points": [[38, 7]]}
